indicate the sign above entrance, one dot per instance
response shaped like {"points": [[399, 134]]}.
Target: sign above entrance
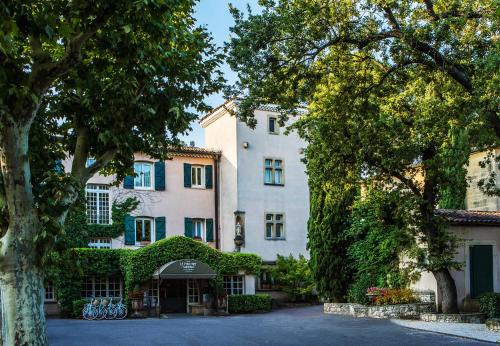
{"points": [[184, 269]]}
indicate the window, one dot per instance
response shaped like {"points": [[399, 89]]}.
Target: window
{"points": [[273, 172], [102, 287], [272, 125], [193, 291], [153, 288], [198, 227], [49, 292], [275, 226], [97, 203], [100, 243], [143, 227], [90, 162], [143, 177], [197, 176], [233, 284]]}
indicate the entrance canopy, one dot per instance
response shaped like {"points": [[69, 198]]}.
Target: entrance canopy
{"points": [[184, 269]]}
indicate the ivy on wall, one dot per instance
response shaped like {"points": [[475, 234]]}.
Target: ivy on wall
{"points": [[118, 212], [137, 266]]}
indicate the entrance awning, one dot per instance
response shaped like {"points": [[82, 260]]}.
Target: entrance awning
{"points": [[184, 269]]}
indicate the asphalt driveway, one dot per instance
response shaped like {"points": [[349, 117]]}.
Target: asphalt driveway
{"points": [[301, 326]]}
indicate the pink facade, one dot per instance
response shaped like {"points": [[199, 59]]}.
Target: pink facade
{"points": [[177, 206]]}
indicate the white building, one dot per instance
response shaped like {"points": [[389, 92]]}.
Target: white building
{"points": [[263, 185]]}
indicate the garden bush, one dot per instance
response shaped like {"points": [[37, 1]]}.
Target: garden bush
{"points": [[249, 303], [489, 304], [78, 307], [392, 296], [294, 277]]}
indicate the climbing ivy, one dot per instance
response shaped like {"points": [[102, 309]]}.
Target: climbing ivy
{"points": [[137, 266]]}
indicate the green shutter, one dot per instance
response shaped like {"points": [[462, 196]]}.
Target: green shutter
{"points": [[187, 175], [210, 229], [160, 227], [160, 175], [188, 227], [481, 269], [208, 177], [129, 230]]}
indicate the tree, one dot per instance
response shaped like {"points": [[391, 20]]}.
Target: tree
{"points": [[294, 276], [385, 82], [81, 79]]}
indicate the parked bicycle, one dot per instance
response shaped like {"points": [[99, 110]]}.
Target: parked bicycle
{"points": [[104, 308]]}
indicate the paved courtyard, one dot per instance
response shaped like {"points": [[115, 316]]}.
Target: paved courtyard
{"points": [[301, 326]]}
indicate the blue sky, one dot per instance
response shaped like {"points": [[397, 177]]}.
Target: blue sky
{"points": [[215, 16]]}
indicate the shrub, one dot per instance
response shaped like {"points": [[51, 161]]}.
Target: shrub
{"points": [[294, 276], [489, 304], [78, 307], [390, 296], [357, 291], [249, 303]]}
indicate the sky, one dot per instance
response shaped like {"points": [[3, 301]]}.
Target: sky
{"points": [[215, 16]]}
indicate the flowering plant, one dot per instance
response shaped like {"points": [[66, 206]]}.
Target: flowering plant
{"points": [[389, 296], [375, 291]]}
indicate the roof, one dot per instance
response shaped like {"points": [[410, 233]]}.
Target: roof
{"points": [[264, 107], [193, 152], [471, 217]]}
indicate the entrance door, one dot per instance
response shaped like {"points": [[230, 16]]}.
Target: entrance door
{"points": [[481, 269], [174, 296]]}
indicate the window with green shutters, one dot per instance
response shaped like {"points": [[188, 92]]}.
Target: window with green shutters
{"points": [[129, 230], [198, 176], [188, 227], [199, 228]]}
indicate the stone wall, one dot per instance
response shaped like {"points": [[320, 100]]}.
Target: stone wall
{"points": [[379, 311], [493, 324], [453, 318]]}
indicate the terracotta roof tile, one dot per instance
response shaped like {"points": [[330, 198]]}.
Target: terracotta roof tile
{"points": [[471, 217]]}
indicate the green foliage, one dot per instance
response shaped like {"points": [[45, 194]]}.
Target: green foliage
{"points": [[327, 243], [118, 212], [357, 291], [380, 235], [396, 296], [489, 304], [78, 306], [137, 266], [249, 303], [294, 276]]}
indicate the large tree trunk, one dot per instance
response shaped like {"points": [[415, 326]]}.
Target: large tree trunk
{"points": [[23, 316], [447, 292], [21, 277]]}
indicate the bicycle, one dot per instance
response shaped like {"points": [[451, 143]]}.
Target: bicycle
{"points": [[121, 310], [88, 310], [111, 310]]}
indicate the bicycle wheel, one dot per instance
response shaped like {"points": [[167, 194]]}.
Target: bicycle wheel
{"points": [[86, 314], [102, 313], [121, 313], [111, 313]]}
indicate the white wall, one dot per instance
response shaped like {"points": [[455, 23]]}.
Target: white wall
{"points": [[471, 235], [220, 134]]}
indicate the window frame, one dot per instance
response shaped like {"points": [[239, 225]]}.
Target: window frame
{"points": [[92, 280], [49, 292], [274, 222], [202, 176], [100, 243], [276, 125], [273, 169], [141, 176], [151, 233], [100, 189], [193, 290], [202, 222], [232, 282]]}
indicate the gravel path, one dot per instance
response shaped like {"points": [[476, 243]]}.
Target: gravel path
{"points": [[467, 330]]}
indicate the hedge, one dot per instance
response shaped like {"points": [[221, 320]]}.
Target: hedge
{"points": [[489, 304], [249, 303], [137, 266]]}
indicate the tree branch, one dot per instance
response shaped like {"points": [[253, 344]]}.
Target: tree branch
{"points": [[429, 5], [422, 47]]}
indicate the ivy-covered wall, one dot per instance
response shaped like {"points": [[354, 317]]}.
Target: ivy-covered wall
{"points": [[137, 266]]}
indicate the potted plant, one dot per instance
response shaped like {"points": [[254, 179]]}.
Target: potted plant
{"points": [[136, 298]]}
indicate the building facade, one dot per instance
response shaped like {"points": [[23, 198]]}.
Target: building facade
{"points": [[264, 195]]}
